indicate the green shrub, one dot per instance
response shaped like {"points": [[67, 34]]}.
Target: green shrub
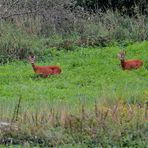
{"points": [[97, 29]]}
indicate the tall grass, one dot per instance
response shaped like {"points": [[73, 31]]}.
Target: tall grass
{"points": [[99, 29], [120, 124]]}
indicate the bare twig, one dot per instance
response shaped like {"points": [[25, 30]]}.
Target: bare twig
{"points": [[16, 110], [17, 14]]}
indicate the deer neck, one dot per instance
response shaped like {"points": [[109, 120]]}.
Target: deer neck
{"points": [[34, 67], [122, 63]]}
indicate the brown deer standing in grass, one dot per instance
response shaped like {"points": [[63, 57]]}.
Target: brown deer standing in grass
{"points": [[44, 70], [129, 64]]}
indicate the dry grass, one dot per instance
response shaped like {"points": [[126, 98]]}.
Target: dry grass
{"points": [[51, 126]]}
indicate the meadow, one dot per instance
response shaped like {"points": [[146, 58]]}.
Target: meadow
{"points": [[89, 76]]}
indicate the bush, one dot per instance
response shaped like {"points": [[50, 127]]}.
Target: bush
{"points": [[64, 26]]}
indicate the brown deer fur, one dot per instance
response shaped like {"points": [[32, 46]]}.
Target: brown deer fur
{"points": [[44, 70], [129, 64]]}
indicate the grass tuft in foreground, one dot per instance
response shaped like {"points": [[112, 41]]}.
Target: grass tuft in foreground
{"points": [[120, 124]]}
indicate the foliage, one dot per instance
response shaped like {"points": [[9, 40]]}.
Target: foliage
{"points": [[116, 125], [102, 29], [93, 103], [123, 6]]}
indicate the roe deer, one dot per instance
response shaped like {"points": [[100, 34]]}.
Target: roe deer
{"points": [[44, 70], [129, 64]]}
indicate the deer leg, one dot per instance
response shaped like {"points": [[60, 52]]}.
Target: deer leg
{"points": [[45, 75]]}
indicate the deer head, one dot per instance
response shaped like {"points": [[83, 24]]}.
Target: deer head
{"points": [[121, 55], [32, 59]]}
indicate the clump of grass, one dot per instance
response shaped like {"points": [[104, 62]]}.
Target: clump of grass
{"points": [[120, 124]]}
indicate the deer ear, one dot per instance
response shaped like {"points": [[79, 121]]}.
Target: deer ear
{"points": [[119, 55], [29, 57]]}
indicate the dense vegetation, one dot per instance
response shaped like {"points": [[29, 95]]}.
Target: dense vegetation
{"points": [[92, 93], [124, 6], [93, 103], [28, 26]]}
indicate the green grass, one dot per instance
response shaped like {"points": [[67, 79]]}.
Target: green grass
{"points": [[69, 108], [88, 74]]}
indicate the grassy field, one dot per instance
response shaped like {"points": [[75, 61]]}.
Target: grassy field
{"points": [[89, 75], [93, 102]]}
